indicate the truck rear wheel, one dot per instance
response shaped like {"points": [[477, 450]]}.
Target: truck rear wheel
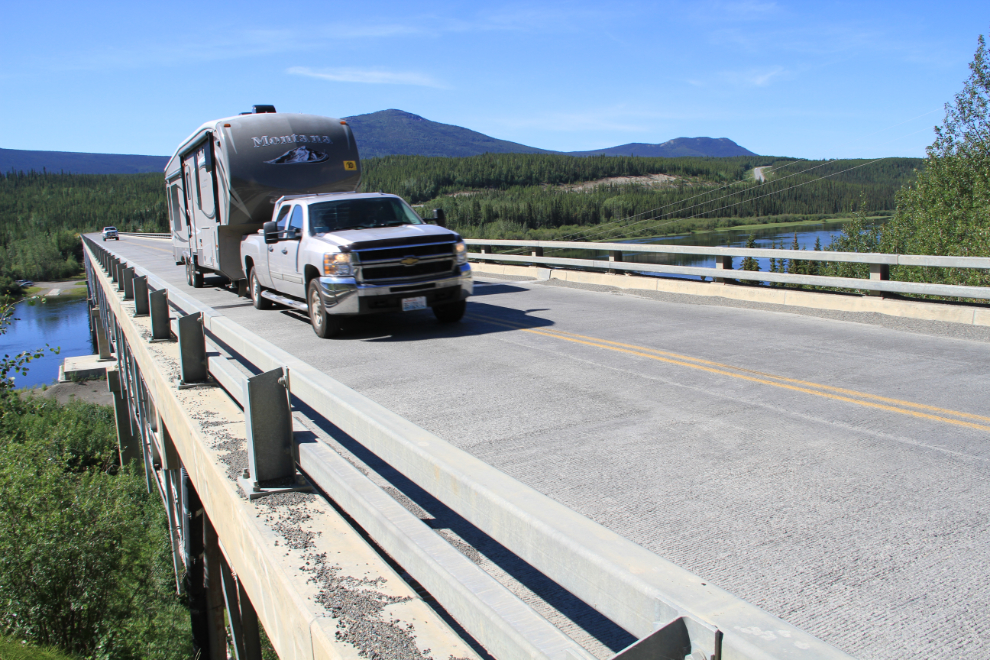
{"points": [[260, 302], [324, 325], [451, 312]]}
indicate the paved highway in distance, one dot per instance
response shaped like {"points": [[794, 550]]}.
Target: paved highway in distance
{"points": [[832, 472]]}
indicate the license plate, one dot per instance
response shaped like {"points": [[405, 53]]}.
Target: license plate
{"points": [[409, 304]]}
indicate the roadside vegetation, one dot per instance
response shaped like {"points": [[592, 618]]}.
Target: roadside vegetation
{"points": [[946, 211], [85, 560]]}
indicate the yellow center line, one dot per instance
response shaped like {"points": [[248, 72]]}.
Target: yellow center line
{"points": [[805, 383], [702, 365]]}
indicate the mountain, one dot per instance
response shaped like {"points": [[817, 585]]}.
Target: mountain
{"points": [[79, 163], [380, 133], [676, 148], [388, 132]]}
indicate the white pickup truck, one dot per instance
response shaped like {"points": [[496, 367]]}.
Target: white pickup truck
{"points": [[334, 255]]}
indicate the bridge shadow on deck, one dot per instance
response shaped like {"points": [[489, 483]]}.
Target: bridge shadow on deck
{"points": [[473, 542]]}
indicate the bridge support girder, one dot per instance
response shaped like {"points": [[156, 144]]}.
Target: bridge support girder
{"points": [[127, 444]]}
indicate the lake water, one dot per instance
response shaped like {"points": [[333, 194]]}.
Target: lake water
{"points": [[61, 323]]}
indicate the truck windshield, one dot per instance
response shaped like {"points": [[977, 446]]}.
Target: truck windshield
{"points": [[360, 214]]}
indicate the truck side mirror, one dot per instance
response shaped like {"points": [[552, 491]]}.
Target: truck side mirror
{"points": [[270, 230], [439, 217]]}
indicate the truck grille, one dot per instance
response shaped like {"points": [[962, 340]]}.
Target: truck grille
{"points": [[384, 265]]}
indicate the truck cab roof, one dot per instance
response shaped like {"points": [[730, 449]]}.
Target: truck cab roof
{"points": [[325, 197]]}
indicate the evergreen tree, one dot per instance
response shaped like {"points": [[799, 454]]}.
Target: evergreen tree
{"points": [[793, 265], [947, 211], [749, 263]]}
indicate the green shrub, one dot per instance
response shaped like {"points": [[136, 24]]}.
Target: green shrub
{"points": [[85, 562]]}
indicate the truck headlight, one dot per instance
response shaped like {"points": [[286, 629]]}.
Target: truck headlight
{"points": [[460, 252], [337, 264]]}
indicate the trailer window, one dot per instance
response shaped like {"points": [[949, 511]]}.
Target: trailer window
{"points": [[175, 207], [360, 213], [204, 184]]}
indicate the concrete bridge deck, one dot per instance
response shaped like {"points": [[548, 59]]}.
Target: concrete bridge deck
{"points": [[832, 472]]}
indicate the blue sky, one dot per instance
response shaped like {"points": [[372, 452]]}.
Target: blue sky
{"points": [[813, 80]]}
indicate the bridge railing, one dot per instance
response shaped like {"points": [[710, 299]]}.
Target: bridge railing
{"points": [[614, 259], [668, 609]]}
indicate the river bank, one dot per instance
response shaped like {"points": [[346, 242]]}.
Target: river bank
{"points": [[40, 323]]}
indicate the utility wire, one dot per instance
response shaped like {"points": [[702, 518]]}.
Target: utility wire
{"points": [[680, 201]]}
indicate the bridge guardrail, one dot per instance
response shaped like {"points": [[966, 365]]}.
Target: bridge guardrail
{"points": [[666, 607], [879, 264]]}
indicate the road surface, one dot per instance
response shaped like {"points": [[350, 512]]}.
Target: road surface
{"points": [[831, 471]]}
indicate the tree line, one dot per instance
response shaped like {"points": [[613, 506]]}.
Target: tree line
{"points": [[43, 213], [522, 195]]}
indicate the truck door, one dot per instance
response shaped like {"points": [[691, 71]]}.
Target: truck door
{"points": [[202, 196], [269, 272], [283, 260]]}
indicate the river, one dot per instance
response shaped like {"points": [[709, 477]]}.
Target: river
{"points": [[61, 323], [766, 236]]}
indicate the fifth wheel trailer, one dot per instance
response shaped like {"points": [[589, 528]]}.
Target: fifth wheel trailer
{"points": [[224, 179]]}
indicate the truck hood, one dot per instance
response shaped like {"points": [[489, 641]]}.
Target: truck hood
{"points": [[355, 239]]}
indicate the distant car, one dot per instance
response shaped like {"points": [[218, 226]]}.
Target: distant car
{"points": [[110, 232], [24, 283]]}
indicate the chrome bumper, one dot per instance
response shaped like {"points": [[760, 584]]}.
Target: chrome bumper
{"points": [[343, 295]]}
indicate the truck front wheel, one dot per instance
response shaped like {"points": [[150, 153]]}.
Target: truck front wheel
{"points": [[451, 312], [324, 325], [260, 302]]}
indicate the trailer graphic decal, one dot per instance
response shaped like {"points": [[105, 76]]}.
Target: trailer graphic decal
{"points": [[299, 155]]}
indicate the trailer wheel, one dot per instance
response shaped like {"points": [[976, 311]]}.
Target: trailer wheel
{"points": [[259, 301], [451, 312], [189, 272], [324, 325], [197, 278]]}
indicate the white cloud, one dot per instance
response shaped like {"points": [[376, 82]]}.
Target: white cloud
{"points": [[368, 76], [763, 78]]}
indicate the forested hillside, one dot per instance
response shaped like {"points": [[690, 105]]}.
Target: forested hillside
{"points": [[41, 216], [489, 196], [72, 162], [520, 195]]}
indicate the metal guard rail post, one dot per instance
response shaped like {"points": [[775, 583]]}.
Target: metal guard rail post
{"points": [[646, 595], [880, 264]]}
